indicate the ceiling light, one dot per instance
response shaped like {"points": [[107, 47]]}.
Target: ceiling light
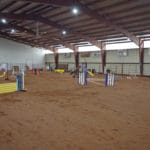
{"points": [[4, 21], [64, 32], [13, 31], [75, 11]]}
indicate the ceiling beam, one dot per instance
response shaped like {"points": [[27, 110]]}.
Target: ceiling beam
{"points": [[50, 23], [19, 28], [16, 39], [109, 22], [2, 26], [65, 3], [97, 16], [133, 8]]}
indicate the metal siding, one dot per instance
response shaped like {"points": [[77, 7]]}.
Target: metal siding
{"points": [[49, 58], [92, 58], [147, 55], [119, 64], [63, 59], [147, 69], [132, 57]]}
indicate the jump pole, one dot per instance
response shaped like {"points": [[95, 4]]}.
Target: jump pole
{"points": [[82, 80]]}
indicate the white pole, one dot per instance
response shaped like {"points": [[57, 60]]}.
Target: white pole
{"points": [[17, 85], [79, 77], [82, 78], [113, 79], [22, 80], [109, 79]]}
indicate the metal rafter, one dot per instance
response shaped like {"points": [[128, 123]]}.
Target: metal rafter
{"points": [[20, 28], [20, 7], [141, 55], [50, 23], [97, 16], [52, 2], [71, 46], [8, 36], [108, 22]]}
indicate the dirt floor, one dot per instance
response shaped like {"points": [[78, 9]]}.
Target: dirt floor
{"points": [[58, 114]]}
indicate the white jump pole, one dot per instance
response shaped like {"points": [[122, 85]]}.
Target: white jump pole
{"points": [[82, 78], [23, 80]]}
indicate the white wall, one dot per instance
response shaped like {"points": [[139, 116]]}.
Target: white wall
{"points": [[15, 53], [67, 58], [127, 64], [146, 61]]}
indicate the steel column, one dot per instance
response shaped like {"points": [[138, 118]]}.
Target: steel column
{"points": [[103, 56], [56, 57], [141, 55], [76, 55]]}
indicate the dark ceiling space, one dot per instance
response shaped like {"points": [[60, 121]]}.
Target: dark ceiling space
{"points": [[51, 24]]}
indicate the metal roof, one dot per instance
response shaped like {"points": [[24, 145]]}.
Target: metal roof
{"points": [[40, 23]]}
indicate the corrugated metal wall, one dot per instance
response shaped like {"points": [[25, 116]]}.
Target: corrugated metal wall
{"points": [[93, 61], [147, 62], [67, 58], [121, 64]]}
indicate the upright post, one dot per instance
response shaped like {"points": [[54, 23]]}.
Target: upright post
{"points": [[106, 79], [76, 55], [56, 57], [103, 56], [141, 55], [22, 80]]}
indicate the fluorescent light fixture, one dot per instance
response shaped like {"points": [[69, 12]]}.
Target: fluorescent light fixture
{"points": [[4, 21]]}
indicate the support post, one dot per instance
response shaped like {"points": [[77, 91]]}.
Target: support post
{"points": [[103, 56], [76, 55], [141, 55], [56, 58]]}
